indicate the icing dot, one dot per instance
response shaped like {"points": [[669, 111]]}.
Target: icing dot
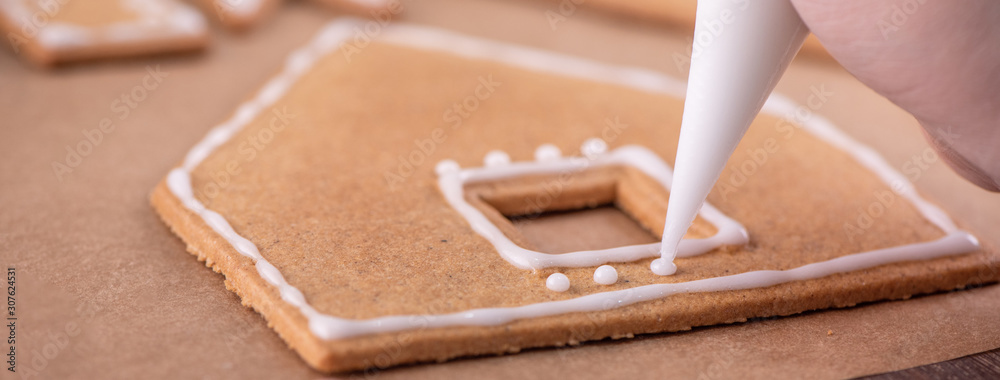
{"points": [[547, 152], [446, 167], [496, 158], [663, 267], [557, 282], [593, 147], [605, 275], [188, 20]]}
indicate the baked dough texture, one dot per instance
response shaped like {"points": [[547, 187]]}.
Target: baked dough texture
{"points": [[335, 184]]}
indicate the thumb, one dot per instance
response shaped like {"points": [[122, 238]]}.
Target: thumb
{"points": [[938, 60]]}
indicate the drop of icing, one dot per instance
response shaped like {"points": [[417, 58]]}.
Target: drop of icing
{"points": [[605, 275], [496, 158], [446, 167], [663, 267], [188, 20], [557, 282], [547, 152], [593, 147]]}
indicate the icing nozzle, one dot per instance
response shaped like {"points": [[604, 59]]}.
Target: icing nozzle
{"points": [[740, 51]]}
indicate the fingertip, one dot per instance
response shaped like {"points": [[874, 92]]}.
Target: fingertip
{"points": [[962, 165]]}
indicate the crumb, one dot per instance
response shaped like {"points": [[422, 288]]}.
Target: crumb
{"points": [[829, 332]]}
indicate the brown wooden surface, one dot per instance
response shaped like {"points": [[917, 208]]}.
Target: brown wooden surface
{"points": [[984, 365]]}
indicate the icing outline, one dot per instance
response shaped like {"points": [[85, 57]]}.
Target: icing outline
{"points": [[328, 327], [452, 181]]}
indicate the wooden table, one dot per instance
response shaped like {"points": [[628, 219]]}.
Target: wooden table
{"points": [[983, 365]]}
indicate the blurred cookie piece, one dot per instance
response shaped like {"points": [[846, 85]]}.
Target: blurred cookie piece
{"points": [[239, 15], [49, 32]]}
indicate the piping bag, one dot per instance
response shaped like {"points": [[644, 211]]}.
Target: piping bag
{"points": [[741, 49]]}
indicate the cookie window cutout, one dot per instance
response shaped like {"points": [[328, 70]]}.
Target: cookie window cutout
{"points": [[629, 184]]}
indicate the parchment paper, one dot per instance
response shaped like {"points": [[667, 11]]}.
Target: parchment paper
{"points": [[106, 291]]}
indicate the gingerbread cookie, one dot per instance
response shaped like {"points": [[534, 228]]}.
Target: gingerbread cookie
{"points": [[239, 14], [56, 31], [381, 204]]}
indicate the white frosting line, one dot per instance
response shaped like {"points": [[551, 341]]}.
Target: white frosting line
{"points": [[824, 129], [955, 243], [158, 19], [452, 184], [330, 327]]}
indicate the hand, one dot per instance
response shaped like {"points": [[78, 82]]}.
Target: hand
{"points": [[938, 60]]}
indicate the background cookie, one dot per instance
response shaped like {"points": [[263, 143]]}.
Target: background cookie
{"points": [[239, 14], [387, 261], [48, 32], [242, 14]]}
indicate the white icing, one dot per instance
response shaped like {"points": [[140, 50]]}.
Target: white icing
{"points": [[663, 267], [446, 167], [157, 19], [605, 275], [557, 282], [187, 20], [65, 35], [452, 184], [593, 147], [330, 327], [739, 53], [496, 158], [867, 157], [547, 152]]}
